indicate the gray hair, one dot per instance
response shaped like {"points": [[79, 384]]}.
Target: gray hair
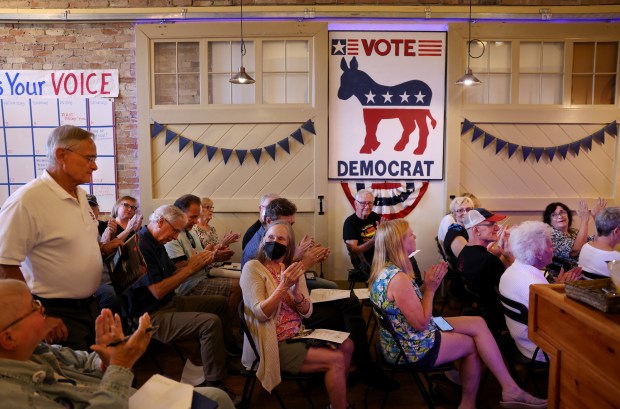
{"points": [[528, 240], [10, 293], [268, 196], [460, 200], [65, 136], [169, 212], [607, 220], [363, 192]]}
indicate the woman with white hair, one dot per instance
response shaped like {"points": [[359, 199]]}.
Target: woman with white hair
{"points": [[458, 207], [456, 237], [530, 243]]}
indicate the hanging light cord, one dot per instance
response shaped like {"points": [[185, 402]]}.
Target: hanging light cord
{"points": [[470, 40], [243, 50]]}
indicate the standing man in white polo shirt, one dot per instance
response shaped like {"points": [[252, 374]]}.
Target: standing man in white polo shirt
{"points": [[49, 239]]}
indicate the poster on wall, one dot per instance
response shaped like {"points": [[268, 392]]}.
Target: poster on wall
{"points": [[25, 124], [387, 101]]}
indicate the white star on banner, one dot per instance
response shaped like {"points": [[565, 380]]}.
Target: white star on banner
{"points": [[404, 97], [387, 97], [370, 97], [419, 97]]}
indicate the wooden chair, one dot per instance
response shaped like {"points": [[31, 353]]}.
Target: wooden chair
{"points": [[250, 374], [519, 313], [403, 364]]}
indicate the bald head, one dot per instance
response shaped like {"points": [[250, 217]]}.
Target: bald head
{"points": [[11, 294]]}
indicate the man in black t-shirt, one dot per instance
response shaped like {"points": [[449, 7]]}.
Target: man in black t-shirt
{"points": [[358, 231]]}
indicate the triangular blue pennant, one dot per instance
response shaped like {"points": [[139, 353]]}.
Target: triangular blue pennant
{"points": [[183, 141], [467, 125], [170, 136], [477, 133], [499, 145], [563, 149], [298, 136], [256, 154], [211, 152], [612, 129], [599, 136], [512, 148], [538, 153], [488, 138], [526, 151], [575, 147], [156, 129], [241, 155], [550, 153], [197, 148], [284, 144], [226, 154], [309, 126], [271, 150], [587, 142]]}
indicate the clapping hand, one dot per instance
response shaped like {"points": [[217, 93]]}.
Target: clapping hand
{"points": [[135, 222], [583, 212], [569, 276], [290, 276], [599, 206], [434, 275], [199, 260], [306, 243], [230, 238]]}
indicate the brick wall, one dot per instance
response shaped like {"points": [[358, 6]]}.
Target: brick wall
{"points": [[84, 46]]}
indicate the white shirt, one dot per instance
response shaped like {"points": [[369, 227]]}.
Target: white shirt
{"points": [[595, 260], [443, 226], [52, 236], [515, 285]]}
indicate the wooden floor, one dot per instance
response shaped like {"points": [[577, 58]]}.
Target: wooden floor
{"points": [[408, 396]]}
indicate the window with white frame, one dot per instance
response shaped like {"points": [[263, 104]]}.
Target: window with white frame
{"points": [[541, 72], [176, 73], [491, 62]]}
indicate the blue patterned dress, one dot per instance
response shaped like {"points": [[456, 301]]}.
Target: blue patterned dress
{"points": [[416, 343]]}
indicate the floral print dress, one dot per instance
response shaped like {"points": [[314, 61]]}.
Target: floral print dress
{"points": [[416, 343]]}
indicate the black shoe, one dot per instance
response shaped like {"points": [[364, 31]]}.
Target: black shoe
{"points": [[375, 378]]}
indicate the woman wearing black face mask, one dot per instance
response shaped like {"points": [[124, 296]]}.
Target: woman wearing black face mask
{"points": [[276, 299]]}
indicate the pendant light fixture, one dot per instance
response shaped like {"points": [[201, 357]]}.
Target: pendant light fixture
{"points": [[241, 77], [469, 78]]}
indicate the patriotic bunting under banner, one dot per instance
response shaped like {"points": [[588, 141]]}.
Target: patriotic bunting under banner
{"points": [[393, 200], [551, 151], [298, 135]]}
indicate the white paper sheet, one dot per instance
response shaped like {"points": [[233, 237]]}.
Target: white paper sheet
{"points": [[326, 335], [192, 374], [162, 393]]}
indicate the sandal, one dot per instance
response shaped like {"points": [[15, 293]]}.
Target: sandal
{"points": [[523, 400]]}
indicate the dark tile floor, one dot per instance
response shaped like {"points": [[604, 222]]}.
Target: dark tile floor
{"points": [[446, 394]]}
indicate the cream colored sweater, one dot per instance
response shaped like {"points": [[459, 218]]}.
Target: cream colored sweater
{"points": [[257, 284]]}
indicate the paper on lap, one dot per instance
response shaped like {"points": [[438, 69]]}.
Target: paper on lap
{"points": [[324, 294]]}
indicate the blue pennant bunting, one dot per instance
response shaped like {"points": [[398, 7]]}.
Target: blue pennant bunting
{"points": [[512, 148], [488, 138], [575, 147], [271, 150], [183, 141], [298, 136], [563, 149], [211, 152], [526, 151], [537, 153], [241, 155], [256, 154], [284, 144], [612, 129], [477, 133], [550, 153], [226, 154], [156, 129], [467, 125], [309, 126], [499, 145], [587, 142], [197, 148], [599, 136], [170, 136]]}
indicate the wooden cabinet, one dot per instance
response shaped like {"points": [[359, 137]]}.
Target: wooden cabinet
{"points": [[583, 345]]}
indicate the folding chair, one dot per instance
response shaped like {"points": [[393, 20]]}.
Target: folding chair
{"points": [[250, 374], [360, 271], [518, 312], [403, 364]]}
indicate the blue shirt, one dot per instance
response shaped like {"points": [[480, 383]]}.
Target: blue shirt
{"points": [[249, 252]]}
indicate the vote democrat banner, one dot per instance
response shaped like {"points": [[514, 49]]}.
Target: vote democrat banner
{"points": [[386, 105], [59, 83]]}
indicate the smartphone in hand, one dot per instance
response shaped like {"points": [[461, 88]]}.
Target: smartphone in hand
{"points": [[442, 324]]}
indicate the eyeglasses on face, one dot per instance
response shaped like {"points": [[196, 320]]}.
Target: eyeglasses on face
{"points": [[130, 207], [90, 159], [173, 228], [462, 210], [561, 213], [365, 204], [36, 306], [213, 207]]}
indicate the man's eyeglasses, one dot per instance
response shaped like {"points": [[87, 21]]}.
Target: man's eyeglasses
{"points": [[130, 207], [173, 228], [365, 204], [36, 306], [561, 213], [90, 159]]}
